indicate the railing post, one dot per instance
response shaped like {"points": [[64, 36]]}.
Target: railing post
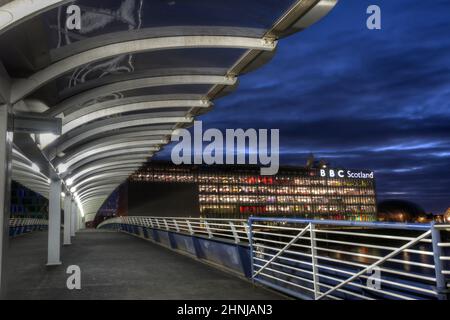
{"points": [[233, 230], [208, 230], [441, 285], [166, 225], [176, 225], [247, 230], [250, 243], [190, 227], [314, 261]]}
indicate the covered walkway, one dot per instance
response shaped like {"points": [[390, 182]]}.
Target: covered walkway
{"points": [[118, 266], [89, 92]]}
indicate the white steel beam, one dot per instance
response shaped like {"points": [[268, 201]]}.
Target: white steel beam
{"points": [[105, 166], [73, 218], [140, 106], [126, 85], [6, 138], [54, 223], [18, 11], [65, 142], [23, 87], [119, 146], [67, 219]]}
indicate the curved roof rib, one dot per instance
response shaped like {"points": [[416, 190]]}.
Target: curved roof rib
{"points": [[23, 87], [122, 85]]}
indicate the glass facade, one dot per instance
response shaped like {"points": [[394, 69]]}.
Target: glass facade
{"points": [[239, 191]]}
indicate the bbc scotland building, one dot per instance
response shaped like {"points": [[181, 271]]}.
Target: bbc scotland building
{"points": [[239, 191]]}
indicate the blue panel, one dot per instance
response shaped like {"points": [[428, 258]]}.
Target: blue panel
{"points": [[224, 254], [146, 233], [184, 243], [163, 237]]}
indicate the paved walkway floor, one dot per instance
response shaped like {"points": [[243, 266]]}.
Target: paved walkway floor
{"points": [[118, 266]]}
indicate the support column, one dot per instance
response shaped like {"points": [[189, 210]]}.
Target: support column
{"points": [[67, 219], [73, 219], [6, 137], [80, 221], [54, 223]]}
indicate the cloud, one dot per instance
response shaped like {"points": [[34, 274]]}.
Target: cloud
{"points": [[363, 99]]}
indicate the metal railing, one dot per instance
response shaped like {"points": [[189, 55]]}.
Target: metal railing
{"points": [[444, 244], [18, 226], [349, 260], [230, 229], [20, 222], [319, 259]]}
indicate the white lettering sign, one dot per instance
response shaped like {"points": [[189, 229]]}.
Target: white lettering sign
{"points": [[339, 173]]}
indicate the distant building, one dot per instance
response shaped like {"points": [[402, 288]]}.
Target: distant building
{"points": [[447, 216], [222, 191], [394, 210]]}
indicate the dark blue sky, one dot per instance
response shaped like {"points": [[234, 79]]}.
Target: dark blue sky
{"points": [[361, 99]]}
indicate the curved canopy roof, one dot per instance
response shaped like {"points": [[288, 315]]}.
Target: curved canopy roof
{"points": [[133, 73]]}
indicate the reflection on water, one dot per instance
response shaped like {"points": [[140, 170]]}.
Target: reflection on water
{"points": [[368, 255]]}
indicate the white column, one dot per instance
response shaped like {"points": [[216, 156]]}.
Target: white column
{"points": [[67, 219], [73, 220], [79, 221], [54, 223], [5, 191]]}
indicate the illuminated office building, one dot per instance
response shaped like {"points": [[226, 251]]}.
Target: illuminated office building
{"points": [[239, 191]]}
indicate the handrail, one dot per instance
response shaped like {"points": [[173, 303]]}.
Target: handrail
{"points": [[333, 261], [14, 222], [18, 226], [325, 259], [213, 228]]}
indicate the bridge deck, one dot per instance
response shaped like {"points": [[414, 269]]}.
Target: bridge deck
{"points": [[118, 266]]}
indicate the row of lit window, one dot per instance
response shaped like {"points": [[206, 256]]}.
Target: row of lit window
{"points": [[316, 216], [288, 209], [213, 198], [252, 180], [283, 190]]}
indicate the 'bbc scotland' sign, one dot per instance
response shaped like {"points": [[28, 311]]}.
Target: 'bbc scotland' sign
{"points": [[340, 173]]}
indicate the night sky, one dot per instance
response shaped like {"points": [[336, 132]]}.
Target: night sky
{"points": [[359, 98]]}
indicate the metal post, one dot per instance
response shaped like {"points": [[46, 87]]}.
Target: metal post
{"points": [[67, 219], [54, 223], [73, 219], [234, 232], [176, 225], [6, 137], [314, 262], [247, 230], [188, 223], [441, 286], [208, 230], [250, 243], [79, 221]]}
